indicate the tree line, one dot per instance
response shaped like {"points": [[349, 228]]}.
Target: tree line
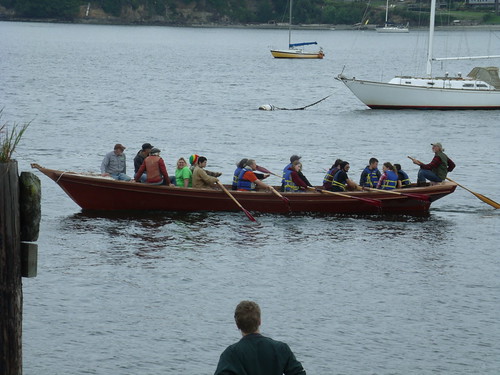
{"points": [[227, 11], [335, 12]]}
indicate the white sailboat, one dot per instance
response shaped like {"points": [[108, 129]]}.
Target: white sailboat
{"points": [[390, 27], [480, 89], [293, 51]]}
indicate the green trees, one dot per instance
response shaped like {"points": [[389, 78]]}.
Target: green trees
{"points": [[62, 9]]}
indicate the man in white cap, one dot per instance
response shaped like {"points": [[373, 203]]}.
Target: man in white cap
{"points": [[437, 169]]}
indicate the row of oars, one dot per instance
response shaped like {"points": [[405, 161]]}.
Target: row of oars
{"points": [[371, 201]]}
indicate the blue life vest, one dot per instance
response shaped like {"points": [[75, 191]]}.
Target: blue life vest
{"points": [[390, 182], [328, 179], [245, 184], [405, 180], [371, 177], [236, 177], [289, 185], [336, 183], [283, 175]]}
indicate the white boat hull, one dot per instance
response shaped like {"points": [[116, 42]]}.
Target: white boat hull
{"points": [[392, 30], [378, 95]]}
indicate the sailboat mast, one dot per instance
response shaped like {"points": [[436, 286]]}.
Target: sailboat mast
{"points": [[431, 38], [386, 12], [290, 25]]}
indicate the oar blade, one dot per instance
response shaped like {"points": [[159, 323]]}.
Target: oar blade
{"points": [[487, 200], [249, 215]]}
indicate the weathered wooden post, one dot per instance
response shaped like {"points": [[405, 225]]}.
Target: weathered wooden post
{"points": [[19, 222], [11, 294]]}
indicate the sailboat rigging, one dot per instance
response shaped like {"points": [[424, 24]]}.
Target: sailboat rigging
{"points": [[480, 89], [293, 52]]}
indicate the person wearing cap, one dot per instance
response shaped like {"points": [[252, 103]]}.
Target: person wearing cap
{"points": [[287, 167], [247, 180], [437, 170], [155, 169], [201, 180], [142, 154], [255, 354], [341, 181], [114, 164]]}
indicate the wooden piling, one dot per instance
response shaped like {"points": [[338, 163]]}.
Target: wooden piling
{"points": [[11, 296]]}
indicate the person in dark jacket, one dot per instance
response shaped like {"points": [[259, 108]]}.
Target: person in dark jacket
{"points": [[256, 354], [142, 154]]}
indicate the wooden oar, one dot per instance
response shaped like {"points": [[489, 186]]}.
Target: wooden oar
{"points": [[486, 200], [284, 199], [262, 169], [421, 197], [249, 215], [373, 202]]}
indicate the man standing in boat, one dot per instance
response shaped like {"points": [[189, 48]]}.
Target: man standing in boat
{"points": [[114, 164], [437, 170], [256, 354]]}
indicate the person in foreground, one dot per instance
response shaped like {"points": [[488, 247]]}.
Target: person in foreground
{"points": [[437, 169], [155, 169], [114, 164], [256, 354]]}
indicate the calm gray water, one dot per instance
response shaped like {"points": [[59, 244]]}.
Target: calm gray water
{"points": [[155, 293]]}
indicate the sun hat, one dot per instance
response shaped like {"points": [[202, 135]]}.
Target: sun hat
{"points": [[154, 151], [119, 145], [438, 144]]}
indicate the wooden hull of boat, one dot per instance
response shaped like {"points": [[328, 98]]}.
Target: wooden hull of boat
{"points": [[296, 54], [105, 194], [377, 95]]}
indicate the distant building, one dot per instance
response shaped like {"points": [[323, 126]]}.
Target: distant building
{"points": [[474, 3]]}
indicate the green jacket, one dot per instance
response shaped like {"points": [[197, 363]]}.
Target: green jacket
{"points": [[255, 354], [442, 169]]}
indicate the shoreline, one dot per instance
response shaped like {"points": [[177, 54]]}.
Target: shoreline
{"points": [[331, 27]]}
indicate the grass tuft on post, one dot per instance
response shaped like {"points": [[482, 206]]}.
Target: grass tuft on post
{"points": [[10, 138]]}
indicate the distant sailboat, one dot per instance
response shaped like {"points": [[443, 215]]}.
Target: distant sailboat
{"points": [[480, 89], [293, 52], [391, 27]]}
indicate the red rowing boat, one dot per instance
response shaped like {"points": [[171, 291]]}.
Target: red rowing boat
{"points": [[93, 192]]}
